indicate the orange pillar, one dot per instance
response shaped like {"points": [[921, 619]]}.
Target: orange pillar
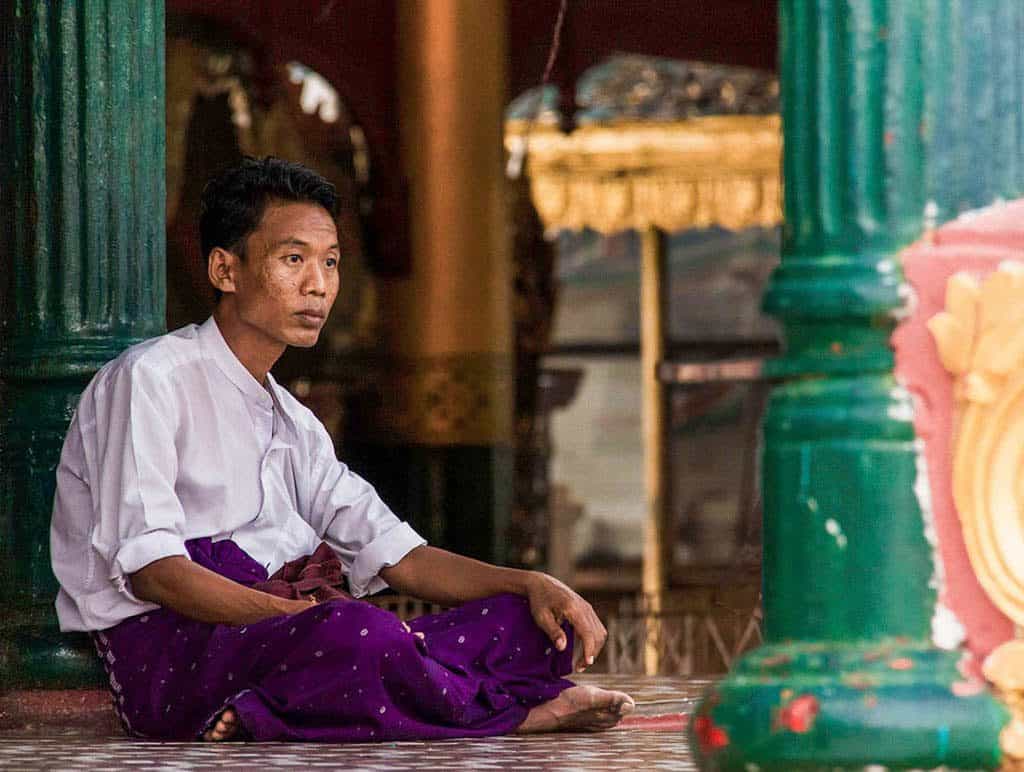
{"points": [[447, 327]]}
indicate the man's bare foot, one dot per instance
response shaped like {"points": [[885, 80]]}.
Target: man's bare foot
{"points": [[579, 709], [224, 729]]}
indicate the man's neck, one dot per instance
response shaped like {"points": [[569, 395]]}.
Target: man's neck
{"points": [[251, 346]]}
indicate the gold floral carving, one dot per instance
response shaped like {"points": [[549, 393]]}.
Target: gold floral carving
{"points": [[701, 172], [1004, 668], [980, 340]]}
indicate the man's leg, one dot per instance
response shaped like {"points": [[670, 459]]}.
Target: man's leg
{"points": [[347, 671], [526, 663]]}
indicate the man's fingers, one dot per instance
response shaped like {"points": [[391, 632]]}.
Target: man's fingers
{"points": [[591, 635], [546, 621], [590, 647]]}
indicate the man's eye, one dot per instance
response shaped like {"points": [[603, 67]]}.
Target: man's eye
{"points": [[332, 262], [293, 259]]}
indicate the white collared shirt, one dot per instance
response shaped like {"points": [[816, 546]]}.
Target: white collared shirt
{"points": [[176, 440]]}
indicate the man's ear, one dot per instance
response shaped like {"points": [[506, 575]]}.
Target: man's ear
{"points": [[221, 267]]}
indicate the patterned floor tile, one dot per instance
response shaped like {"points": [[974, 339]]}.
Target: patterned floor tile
{"points": [[618, 749], [628, 748]]}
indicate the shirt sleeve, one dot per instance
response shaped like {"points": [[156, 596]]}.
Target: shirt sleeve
{"points": [[134, 468], [347, 513]]}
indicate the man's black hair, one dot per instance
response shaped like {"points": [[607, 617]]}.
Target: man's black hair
{"points": [[234, 201]]}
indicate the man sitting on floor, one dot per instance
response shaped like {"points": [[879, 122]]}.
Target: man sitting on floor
{"points": [[203, 527]]}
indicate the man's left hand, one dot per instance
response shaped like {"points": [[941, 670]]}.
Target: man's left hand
{"points": [[552, 603]]}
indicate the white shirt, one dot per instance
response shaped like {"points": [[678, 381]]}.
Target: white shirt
{"points": [[176, 440]]}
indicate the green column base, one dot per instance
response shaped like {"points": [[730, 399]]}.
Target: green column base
{"points": [[839, 705], [34, 654]]}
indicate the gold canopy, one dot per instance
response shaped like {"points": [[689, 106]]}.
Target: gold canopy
{"points": [[673, 176]]}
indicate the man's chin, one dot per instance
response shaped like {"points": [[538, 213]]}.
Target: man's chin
{"points": [[304, 339]]}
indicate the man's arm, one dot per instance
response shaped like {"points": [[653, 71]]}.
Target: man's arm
{"points": [[443, 577], [198, 593]]}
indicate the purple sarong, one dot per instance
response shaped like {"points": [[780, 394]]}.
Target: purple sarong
{"points": [[343, 671]]}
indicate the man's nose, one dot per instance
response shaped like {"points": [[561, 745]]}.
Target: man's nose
{"points": [[315, 280]]}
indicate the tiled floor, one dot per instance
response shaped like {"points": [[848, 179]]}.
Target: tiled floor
{"points": [[645, 743]]}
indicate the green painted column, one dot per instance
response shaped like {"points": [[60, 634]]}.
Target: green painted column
{"points": [[891, 108], [81, 270]]}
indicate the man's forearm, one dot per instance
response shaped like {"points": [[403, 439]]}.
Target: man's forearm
{"points": [[443, 577], [198, 593]]}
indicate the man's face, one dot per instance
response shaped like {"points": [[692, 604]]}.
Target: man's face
{"points": [[288, 281]]}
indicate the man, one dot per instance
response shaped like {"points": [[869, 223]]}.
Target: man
{"points": [[193, 492]]}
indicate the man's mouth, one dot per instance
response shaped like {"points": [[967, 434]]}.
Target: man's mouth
{"points": [[317, 316]]}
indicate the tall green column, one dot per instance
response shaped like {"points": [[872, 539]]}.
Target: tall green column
{"points": [[81, 270], [891, 109]]}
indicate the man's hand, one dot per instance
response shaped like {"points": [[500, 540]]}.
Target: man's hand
{"points": [[552, 602], [444, 577]]}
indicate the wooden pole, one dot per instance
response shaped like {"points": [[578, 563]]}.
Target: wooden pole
{"points": [[652, 352]]}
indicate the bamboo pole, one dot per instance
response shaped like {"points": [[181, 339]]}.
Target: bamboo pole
{"points": [[652, 352]]}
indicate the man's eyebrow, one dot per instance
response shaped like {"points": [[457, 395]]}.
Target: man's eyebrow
{"points": [[294, 241]]}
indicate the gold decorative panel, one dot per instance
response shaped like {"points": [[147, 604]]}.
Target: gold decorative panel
{"points": [[459, 399]]}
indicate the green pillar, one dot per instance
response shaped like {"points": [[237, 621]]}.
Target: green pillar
{"points": [[81, 270], [890, 108]]}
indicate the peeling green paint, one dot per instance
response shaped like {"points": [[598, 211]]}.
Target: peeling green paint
{"points": [[889, 107]]}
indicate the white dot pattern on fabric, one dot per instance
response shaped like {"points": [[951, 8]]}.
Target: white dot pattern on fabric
{"points": [[383, 710], [462, 639], [318, 653], [484, 612], [364, 632]]}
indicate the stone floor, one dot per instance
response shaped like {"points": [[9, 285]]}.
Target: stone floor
{"points": [[652, 739]]}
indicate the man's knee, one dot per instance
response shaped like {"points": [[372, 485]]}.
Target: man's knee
{"points": [[506, 607], [344, 624]]}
